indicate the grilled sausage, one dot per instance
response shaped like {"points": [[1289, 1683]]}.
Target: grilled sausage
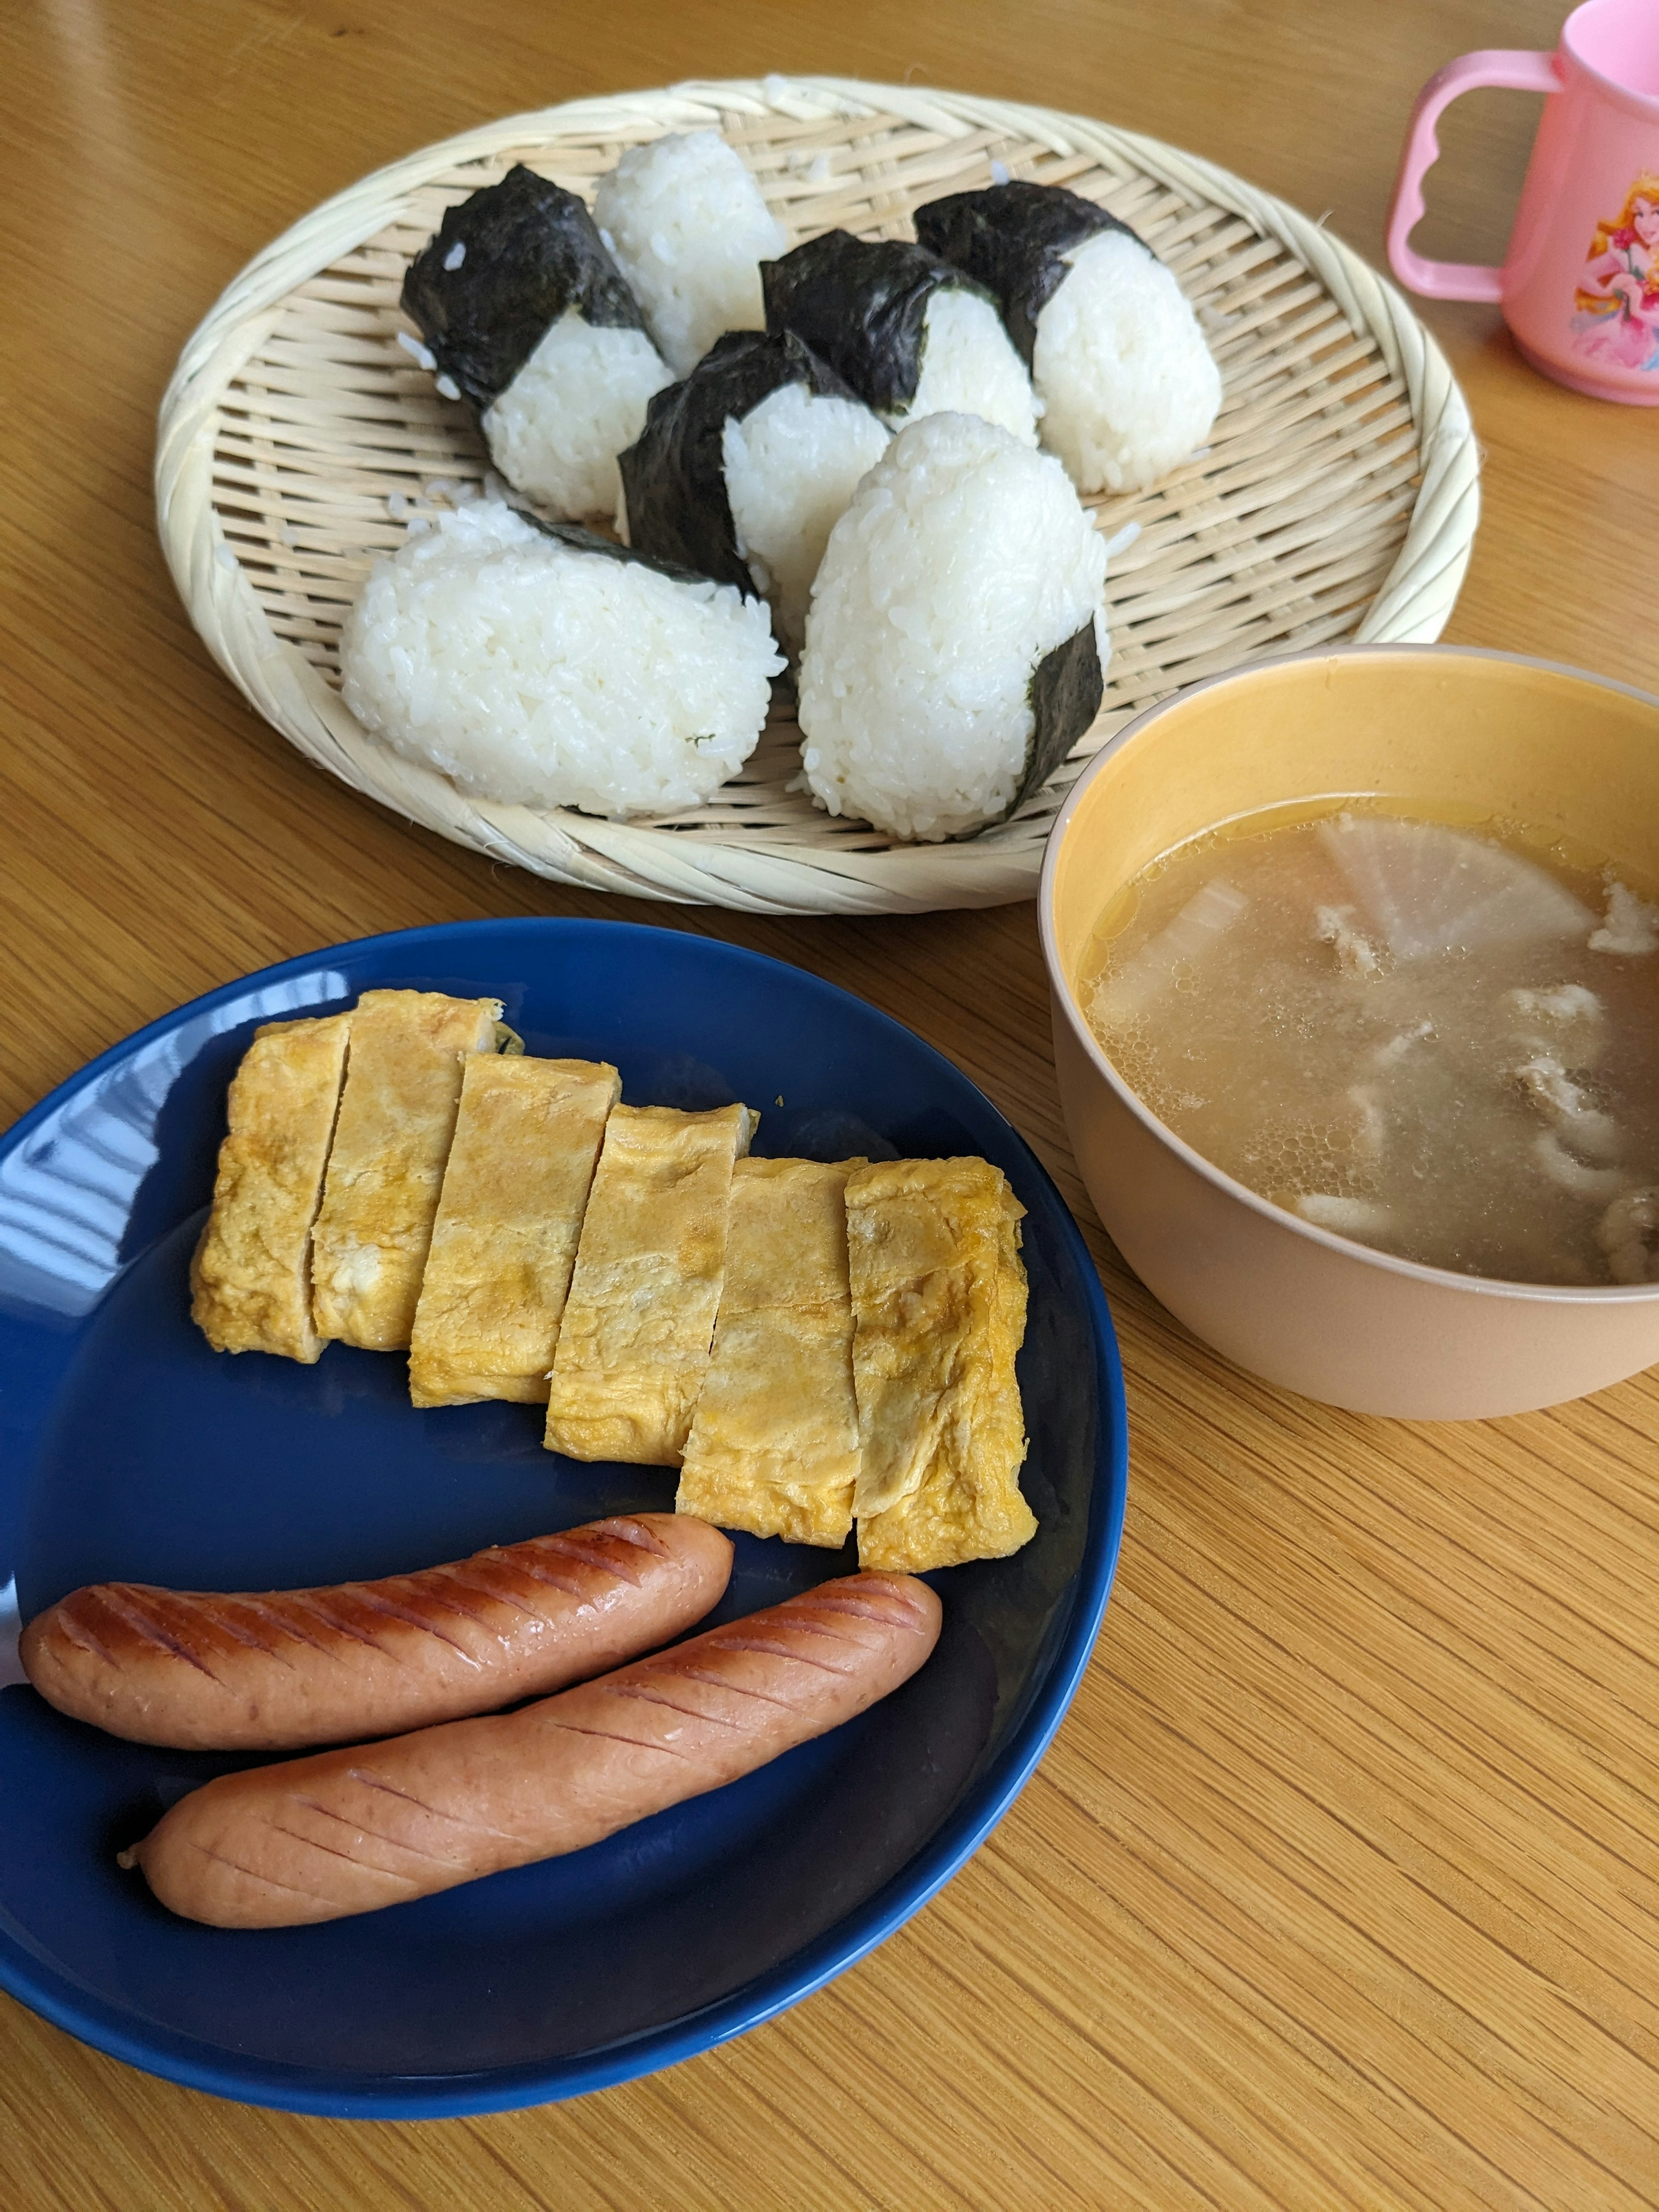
{"points": [[348, 1831], [210, 1671]]}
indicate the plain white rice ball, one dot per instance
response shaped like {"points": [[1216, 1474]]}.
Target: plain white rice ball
{"points": [[688, 228], [578, 401], [969, 367], [1128, 387], [536, 674], [964, 560], [791, 466]]}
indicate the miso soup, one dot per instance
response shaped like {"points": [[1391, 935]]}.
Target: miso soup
{"points": [[1439, 1041]]}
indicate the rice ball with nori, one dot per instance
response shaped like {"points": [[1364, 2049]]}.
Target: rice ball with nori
{"points": [[909, 333], [529, 319], [1128, 387], [687, 224], [955, 642], [744, 469], [537, 664]]}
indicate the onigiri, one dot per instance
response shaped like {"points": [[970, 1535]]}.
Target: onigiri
{"points": [[955, 642], [744, 469], [528, 317], [1128, 387], [536, 664], [689, 228]]}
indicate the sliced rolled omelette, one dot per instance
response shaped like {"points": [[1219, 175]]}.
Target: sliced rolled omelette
{"points": [[527, 1136], [250, 1277], [633, 1342], [939, 1304], [397, 1110], [775, 1442]]}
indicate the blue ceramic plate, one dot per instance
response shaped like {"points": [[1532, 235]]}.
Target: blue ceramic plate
{"points": [[129, 1449]]}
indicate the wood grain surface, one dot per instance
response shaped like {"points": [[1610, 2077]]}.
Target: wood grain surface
{"points": [[1339, 1885]]}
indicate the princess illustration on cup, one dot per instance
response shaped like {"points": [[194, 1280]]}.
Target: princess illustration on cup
{"points": [[1618, 296]]}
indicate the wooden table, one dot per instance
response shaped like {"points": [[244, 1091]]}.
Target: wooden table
{"points": [[1339, 1885]]}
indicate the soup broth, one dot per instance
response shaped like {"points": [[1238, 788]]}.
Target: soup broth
{"points": [[1434, 1040]]}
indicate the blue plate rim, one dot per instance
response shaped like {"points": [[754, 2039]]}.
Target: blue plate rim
{"points": [[335, 2094]]}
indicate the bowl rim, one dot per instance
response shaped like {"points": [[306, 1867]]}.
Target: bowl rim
{"points": [[1064, 996], [177, 2055]]}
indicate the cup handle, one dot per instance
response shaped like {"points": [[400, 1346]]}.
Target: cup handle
{"points": [[1507, 71]]}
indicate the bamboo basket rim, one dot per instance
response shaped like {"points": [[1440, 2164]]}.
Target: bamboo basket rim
{"points": [[804, 864]]}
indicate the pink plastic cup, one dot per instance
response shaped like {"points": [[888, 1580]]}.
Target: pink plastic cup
{"points": [[1579, 287]]}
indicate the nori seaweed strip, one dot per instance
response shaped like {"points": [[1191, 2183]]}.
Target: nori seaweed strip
{"points": [[861, 305], [674, 474], [531, 252], [589, 541], [1065, 690], [1014, 238]]}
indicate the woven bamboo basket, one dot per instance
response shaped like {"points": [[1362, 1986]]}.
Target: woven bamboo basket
{"points": [[1337, 501]]}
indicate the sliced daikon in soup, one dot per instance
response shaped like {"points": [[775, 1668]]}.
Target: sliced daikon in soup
{"points": [[1426, 888], [1158, 964]]}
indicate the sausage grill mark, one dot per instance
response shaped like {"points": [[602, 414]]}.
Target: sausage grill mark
{"points": [[715, 1681], [361, 1775], [492, 1593], [373, 1602], [238, 1631], [283, 1622], [351, 1858], [147, 1631], [76, 1632], [565, 1582], [647, 1696], [784, 1651], [129, 1858], [315, 1603], [615, 1735], [450, 1607], [343, 1819]]}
